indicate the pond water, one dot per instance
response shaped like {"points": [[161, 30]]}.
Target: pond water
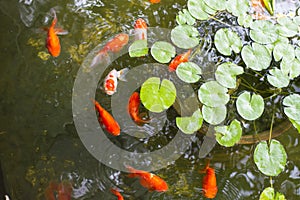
{"points": [[38, 139]]}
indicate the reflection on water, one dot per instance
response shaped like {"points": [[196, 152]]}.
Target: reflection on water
{"points": [[38, 140]]}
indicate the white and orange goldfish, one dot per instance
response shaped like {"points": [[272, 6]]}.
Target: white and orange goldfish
{"points": [[140, 29], [111, 80]]}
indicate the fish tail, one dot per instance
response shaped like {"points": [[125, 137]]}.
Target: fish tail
{"points": [[140, 120], [53, 12], [122, 73]]}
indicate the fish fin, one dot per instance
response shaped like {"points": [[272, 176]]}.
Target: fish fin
{"points": [[60, 31], [146, 184], [122, 73], [143, 118], [102, 55]]}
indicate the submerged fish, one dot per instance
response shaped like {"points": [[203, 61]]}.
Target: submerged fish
{"points": [[111, 80], [117, 193], [133, 108], [59, 191], [209, 182], [154, 1], [184, 57], [140, 29]]}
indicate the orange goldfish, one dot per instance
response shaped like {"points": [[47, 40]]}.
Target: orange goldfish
{"points": [[117, 193], [149, 180], [209, 182], [52, 42], [111, 80], [140, 29], [110, 124], [154, 1], [179, 59], [133, 108], [62, 190]]}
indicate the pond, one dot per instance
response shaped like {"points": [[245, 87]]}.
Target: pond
{"points": [[40, 143]]}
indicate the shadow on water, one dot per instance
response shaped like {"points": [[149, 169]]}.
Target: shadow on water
{"points": [[38, 140]]}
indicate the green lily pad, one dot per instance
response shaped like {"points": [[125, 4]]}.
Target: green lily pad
{"points": [[227, 41], [250, 107], [277, 78], [157, 96], [229, 135], [290, 67], [283, 51], [287, 27], [263, 32], [296, 124], [138, 48], [297, 52], [245, 20], [185, 36], [213, 94], [189, 72], [269, 194], [270, 159], [280, 40], [185, 17], [214, 115], [256, 57], [163, 51], [199, 9], [226, 74], [190, 125], [216, 4], [238, 7], [292, 106]]}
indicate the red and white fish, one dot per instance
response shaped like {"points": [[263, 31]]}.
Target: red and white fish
{"points": [[111, 80], [52, 41], [148, 180], [140, 29], [109, 123], [209, 182], [117, 193], [58, 191], [133, 108], [184, 57]]}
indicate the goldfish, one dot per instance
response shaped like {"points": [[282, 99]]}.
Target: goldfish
{"points": [[110, 124], [258, 7], [133, 108], [140, 29], [114, 45], [52, 41], [209, 182], [179, 59], [117, 193], [154, 1], [62, 190], [148, 180], [111, 80]]}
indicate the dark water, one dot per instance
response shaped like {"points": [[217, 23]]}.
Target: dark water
{"points": [[38, 139]]}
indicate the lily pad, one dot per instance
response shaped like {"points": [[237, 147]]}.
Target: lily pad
{"points": [[163, 51], [263, 32], [189, 72], [138, 48], [189, 125], [238, 7], [297, 52], [296, 124], [185, 36], [216, 4], [290, 67], [229, 135], [270, 159], [213, 94], [245, 20], [283, 51], [250, 107], [292, 106], [157, 96], [277, 78], [269, 194], [199, 9], [214, 115], [226, 74], [287, 27], [227, 41], [185, 17], [256, 57]]}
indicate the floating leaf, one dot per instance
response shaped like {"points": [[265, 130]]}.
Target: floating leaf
{"points": [[270, 159], [199, 9], [269, 194], [229, 135], [185, 36], [227, 41], [256, 57], [296, 124], [189, 125], [163, 51], [250, 107], [226, 74], [185, 17], [287, 27], [238, 7], [280, 40], [214, 115], [189, 72], [157, 96], [245, 20], [277, 78], [292, 106], [283, 51], [216, 4], [138, 48], [263, 32], [213, 94], [290, 67], [297, 52]]}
